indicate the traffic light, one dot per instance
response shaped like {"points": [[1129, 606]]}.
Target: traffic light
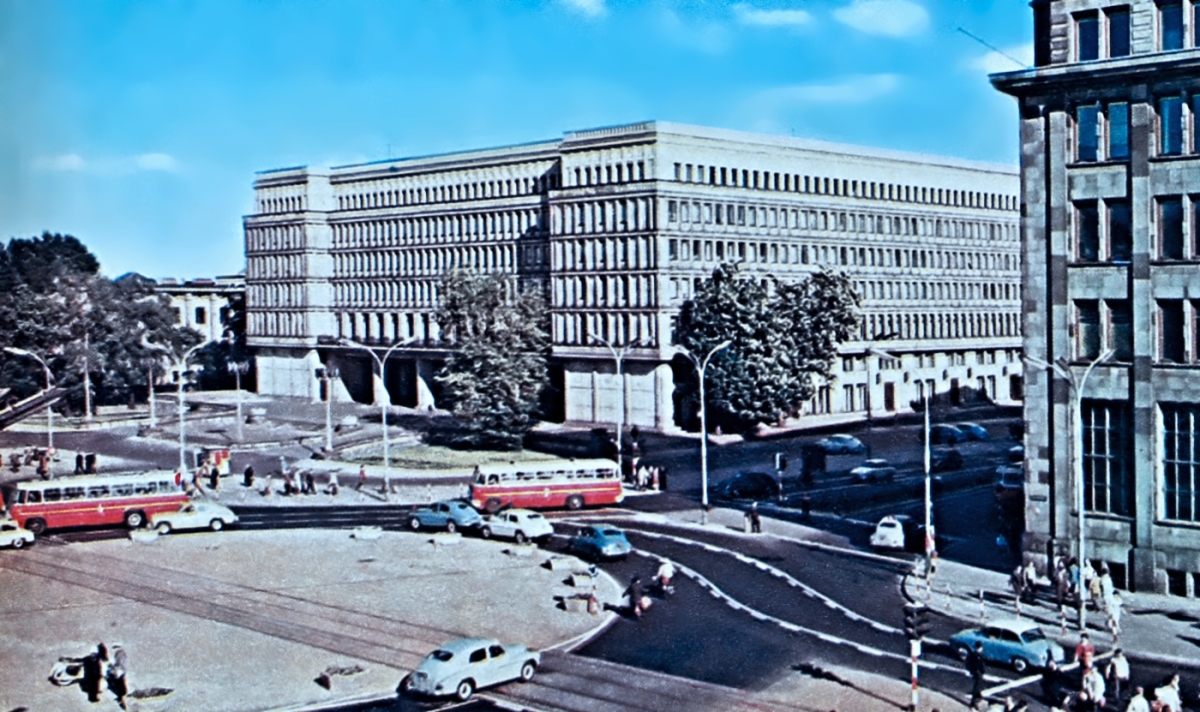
{"points": [[916, 621]]}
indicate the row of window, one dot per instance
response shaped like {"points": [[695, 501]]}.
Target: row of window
{"points": [[509, 224], [276, 237], [613, 173], [1102, 130], [282, 204], [685, 212], [421, 195], [937, 291], [603, 253], [426, 261], [1104, 229], [605, 291], [390, 328], [1107, 33], [944, 359], [952, 325], [835, 255], [583, 328], [275, 266], [1108, 324], [277, 323], [620, 215], [275, 295], [822, 185]]}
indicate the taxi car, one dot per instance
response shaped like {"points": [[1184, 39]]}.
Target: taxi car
{"points": [[464, 665], [1018, 643], [194, 515]]}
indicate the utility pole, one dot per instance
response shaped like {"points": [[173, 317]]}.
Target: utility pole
{"points": [[701, 367]]}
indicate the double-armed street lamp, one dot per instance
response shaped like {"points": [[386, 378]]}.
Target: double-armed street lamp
{"points": [[702, 366], [328, 374], [384, 402], [1063, 370], [237, 368], [49, 380], [618, 355], [180, 365]]}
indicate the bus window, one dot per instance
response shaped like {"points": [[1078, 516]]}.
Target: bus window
{"points": [[145, 488], [73, 493], [52, 494], [165, 486], [97, 492], [122, 490], [524, 476], [493, 479], [545, 475]]}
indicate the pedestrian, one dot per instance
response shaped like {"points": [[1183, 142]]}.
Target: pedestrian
{"points": [[1168, 694], [117, 682], [362, 478], [1106, 586], [1073, 573], [662, 478], [1084, 652], [1062, 584], [89, 463], [638, 601], [1138, 702], [1115, 604], [1091, 585], [1093, 685], [1052, 683], [1031, 577], [1117, 673], [1017, 581], [214, 479], [976, 667], [332, 487], [43, 467], [666, 572], [755, 520], [79, 463], [93, 672], [248, 476], [310, 483]]}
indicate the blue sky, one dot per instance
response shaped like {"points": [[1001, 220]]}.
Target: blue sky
{"points": [[138, 126]]}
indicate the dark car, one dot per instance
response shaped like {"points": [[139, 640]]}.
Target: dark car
{"points": [[974, 431], [944, 435], [873, 470], [749, 485], [945, 460]]}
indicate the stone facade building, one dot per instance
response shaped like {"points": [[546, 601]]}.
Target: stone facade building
{"points": [[618, 225], [1110, 175], [203, 304]]}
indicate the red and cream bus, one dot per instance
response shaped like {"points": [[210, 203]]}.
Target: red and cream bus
{"points": [[547, 485], [94, 500]]}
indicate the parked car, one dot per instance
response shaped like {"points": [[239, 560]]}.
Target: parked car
{"points": [[1019, 643], [749, 485], [14, 535], [520, 525], [974, 431], [464, 665], [842, 444], [194, 515], [899, 532], [1011, 484], [1016, 453], [450, 515], [597, 543], [873, 470], [945, 459], [943, 434]]}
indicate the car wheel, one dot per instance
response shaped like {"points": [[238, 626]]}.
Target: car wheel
{"points": [[406, 685], [485, 533], [216, 525], [414, 524], [134, 519], [520, 537], [465, 689], [37, 526], [18, 543], [163, 528], [574, 502], [963, 652], [1020, 665], [527, 670], [451, 527]]}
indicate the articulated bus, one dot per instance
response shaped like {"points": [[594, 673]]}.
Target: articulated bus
{"points": [[546, 485], [94, 500]]}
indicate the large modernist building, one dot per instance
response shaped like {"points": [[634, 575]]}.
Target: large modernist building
{"points": [[1110, 173], [618, 225]]}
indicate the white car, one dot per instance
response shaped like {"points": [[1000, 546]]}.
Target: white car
{"points": [[520, 525], [464, 665], [12, 534], [888, 534], [194, 515]]}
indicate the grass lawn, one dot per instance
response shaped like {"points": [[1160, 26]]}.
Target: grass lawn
{"points": [[437, 457]]}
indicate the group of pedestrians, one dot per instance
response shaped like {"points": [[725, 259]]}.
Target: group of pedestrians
{"points": [[95, 670], [639, 594], [1094, 589], [1103, 688]]}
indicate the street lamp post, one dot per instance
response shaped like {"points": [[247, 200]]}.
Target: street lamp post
{"points": [[180, 366], [329, 374], [49, 379], [701, 367], [150, 392], [618, 356], [386, 401], [1062, 369], [237, 368]]}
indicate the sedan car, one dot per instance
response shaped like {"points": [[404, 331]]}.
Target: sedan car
{"points": [[1011, 484], [749, 485], [974, 431], [520, 525], [450, 515], [944, 435], [14, 535], [945, 460], [194, 515], [873, 470], [464, 665], [841, 444], [899, 532], [598, 543], [1019, 643]]}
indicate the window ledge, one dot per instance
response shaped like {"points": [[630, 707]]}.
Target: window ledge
{"points": [[1173, 158], [1109, 517], [1178, 524], [1099, 164]]}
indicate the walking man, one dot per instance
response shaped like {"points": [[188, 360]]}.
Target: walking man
{"points": [[117, 682], [1118, 673], [755, 520], [976, 667]]}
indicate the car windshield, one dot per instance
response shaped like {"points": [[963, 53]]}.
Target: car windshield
{"points": [[612, 532], [533, 516], [1032, 636], [442, 655]]}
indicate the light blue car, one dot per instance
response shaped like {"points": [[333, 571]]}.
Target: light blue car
{"points": [[1020, 644], [598, 543], [450, 515]]}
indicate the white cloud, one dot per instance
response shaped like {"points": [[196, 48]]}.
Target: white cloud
{"points": [[65, 162], [156, 162], [1010, 60], [893, 18], [853, 90], [590, 8], [750, 15], [706, 36]]}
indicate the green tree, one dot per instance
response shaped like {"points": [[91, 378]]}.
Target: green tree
{"points": [[782, 336], [497, 368]]}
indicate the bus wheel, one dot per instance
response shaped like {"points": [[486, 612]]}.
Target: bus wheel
{"points": [[492, 505], [37, 526], [574, 502], [134, 519]]}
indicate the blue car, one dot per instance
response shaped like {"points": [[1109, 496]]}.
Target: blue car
{"points": [[450, 515], [974, 431], [597, 543], [1020, 644]]}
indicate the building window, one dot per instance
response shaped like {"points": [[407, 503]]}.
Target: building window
{"points": [[1087, 231], [1170, 228], [1181, 462], [1118, 132], [1120, 232], [1170, 125], [1087, 330], [1120, 335], [1087, 37], [1170, 22], [1107, 456], [1118, 32], [1171, 342], [201, 315], [1087, 124], [672, 210]]}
